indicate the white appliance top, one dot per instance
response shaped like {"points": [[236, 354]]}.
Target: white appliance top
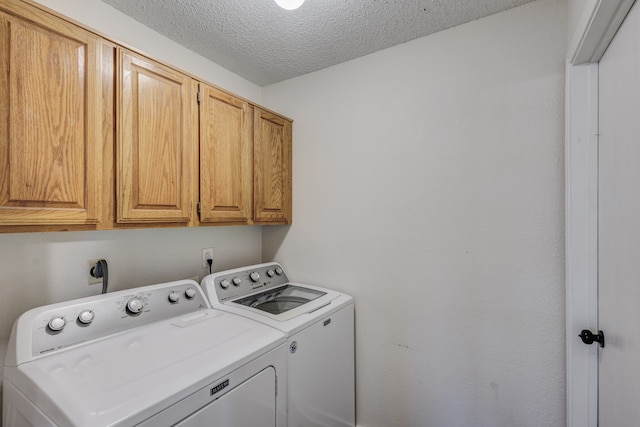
{"points": [[263, 292], [141, 351]]}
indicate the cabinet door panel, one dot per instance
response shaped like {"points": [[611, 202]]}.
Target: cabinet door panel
{"points": [[272, 163], [154, 140], [50, 133], [225, 158]]}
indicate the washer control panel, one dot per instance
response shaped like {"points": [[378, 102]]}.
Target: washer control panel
{"points": [[240, 282], [58, 326]]}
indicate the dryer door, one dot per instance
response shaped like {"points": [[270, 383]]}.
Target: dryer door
{"points": [[251, 404]]}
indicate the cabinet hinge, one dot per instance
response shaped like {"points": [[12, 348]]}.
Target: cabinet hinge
{"points": [[198, 208], [199, 97]]}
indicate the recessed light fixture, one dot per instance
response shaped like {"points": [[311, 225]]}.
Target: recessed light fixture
{"points": [[289, 4]]}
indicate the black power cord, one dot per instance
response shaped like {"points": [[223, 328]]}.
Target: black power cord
{"points": [[210, 262], [101, 269]]}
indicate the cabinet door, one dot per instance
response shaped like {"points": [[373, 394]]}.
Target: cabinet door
{"points": [[154, 140], [226, 169], [272, 168], [50, 120]]}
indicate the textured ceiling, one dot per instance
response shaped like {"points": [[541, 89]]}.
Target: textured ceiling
{"points": [[265, 44]]}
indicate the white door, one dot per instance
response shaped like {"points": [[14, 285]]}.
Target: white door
{"points": [[619, 227]]}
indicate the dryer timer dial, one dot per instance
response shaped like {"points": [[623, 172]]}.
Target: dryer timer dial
{"points": [[57, 323], [135, 306], [85, 317], [190, 293]]}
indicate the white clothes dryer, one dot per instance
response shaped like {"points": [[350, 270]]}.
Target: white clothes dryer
{"points": [[151, 356], [319, 324]]}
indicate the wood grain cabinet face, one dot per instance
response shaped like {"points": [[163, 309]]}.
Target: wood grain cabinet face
{"points": [[226, 170], [272, 168], [50, 120], [154, 140], [64, 164]]}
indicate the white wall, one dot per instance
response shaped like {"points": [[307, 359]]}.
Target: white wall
{"points": [[43, 268], [428, 182]]}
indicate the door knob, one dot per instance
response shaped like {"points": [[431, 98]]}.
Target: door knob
{"points": [[588, 338]]}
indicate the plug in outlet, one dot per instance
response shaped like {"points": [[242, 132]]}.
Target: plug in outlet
{"points": [[90, 279], [207, 253]]}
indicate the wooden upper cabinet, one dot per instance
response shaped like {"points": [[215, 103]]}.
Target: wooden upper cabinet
{"points": [[50, 119], [272, 168], [94, 136], [154, 141], [226, 164]]}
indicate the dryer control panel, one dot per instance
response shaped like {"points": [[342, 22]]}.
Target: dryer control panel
{"points": [[237, 283], [58, 326]]}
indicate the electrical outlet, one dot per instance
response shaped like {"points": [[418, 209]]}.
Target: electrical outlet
{"points": [[207, 253], [90, 279]]}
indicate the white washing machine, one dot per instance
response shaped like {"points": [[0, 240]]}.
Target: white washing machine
{"points": [[319, 324], [151, 356]]}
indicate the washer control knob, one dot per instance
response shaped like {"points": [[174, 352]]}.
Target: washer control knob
{"points": [[270, 272], [135, 306], [254, 276], [85, 317], [279, 271], [174, 297], [237, 281], [224, 284], [56, 323], [190, 293]]}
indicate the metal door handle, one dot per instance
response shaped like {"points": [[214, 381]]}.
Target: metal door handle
{"points": [[588, 338]]}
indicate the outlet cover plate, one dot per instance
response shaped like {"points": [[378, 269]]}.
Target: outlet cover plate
{"points": [[207, 253]]}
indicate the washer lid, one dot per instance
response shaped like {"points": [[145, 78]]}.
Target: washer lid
{"points": [[126, 378], [282, 299]]}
